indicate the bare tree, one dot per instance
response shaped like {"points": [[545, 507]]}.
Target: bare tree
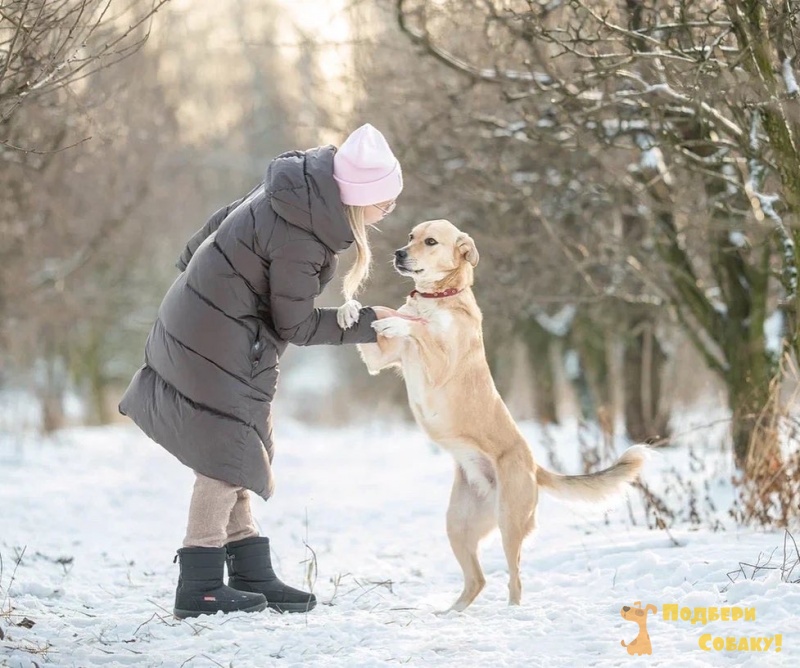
{"points": [[534, 208], [691, 109], [46, 47], [62, 206], [83, 277], [48, 51]]}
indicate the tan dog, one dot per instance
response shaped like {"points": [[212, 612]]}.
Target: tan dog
{"points": [[454, 399], [641, 643]]}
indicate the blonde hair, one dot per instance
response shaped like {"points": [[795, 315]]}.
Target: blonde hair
{"points": [[359, 272]]}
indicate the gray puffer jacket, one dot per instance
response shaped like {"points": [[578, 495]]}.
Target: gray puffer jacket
{"points": [[247, 288]]}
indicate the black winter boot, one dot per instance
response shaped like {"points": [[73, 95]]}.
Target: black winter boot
{"points": [[250, 569], [201, 590]]}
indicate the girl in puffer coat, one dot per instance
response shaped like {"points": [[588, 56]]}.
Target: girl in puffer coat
{"points": [[247, 289]]}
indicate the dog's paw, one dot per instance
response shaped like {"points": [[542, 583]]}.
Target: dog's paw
{"points": [[348, 313], [392, 327]]}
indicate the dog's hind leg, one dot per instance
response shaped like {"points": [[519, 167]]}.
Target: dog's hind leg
{"points": [[516, 515], [470, 517]]}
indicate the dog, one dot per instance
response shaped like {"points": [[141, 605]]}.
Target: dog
{"points": [[454, 399], [641, 643]]}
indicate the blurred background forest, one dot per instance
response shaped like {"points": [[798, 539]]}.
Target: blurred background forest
{"points": [[629, 170]]}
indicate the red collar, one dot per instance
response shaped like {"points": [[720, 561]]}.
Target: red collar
{"points": [[436, 295]]}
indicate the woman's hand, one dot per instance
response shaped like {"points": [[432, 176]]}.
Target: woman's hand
{"points": [[382, 312], [348, 313]]}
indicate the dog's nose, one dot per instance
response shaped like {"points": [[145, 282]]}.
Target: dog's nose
{"points": [[626, 608], [401, 254]]}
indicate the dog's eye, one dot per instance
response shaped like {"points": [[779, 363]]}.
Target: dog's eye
{"points": [[430, 241]]}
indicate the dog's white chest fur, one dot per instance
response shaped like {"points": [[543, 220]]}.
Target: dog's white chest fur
{"points": [[426, 403], [439, 319], [429, 405]]}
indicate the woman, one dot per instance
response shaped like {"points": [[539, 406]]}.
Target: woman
{"points": [[247, 288]]}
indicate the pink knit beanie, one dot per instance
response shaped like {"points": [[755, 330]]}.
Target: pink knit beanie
{"points": [[366, 170]]}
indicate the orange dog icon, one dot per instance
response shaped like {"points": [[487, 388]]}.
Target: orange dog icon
{"points": [[640, 644]]}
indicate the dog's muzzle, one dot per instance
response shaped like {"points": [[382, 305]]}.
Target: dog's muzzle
{"points": [[400, 257], [400, 260]]}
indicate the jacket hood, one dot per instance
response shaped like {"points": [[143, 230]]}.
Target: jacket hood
{"points": [[302, 191]]}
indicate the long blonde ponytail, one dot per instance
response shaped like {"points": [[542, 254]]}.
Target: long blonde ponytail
{"points": [[359, 272]]}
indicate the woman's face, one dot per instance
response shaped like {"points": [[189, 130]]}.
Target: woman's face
{"points": [[374, 213]]}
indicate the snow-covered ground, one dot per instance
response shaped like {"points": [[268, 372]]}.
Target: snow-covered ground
{"points": [[99, 514]]}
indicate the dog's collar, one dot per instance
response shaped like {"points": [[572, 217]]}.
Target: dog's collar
{"points": [[436, 295]]}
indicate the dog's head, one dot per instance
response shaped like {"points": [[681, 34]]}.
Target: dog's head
{"points": [[636, 613], [436, 250]]}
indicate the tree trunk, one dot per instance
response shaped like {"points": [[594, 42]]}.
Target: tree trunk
{"points": [[93, 368], [750, 373], [754, 430], [594, 386], [734, 319], [100, 412], [51, 396], [52, 412], [765, 59], [51, 388], [537, 344], [645, 420]]}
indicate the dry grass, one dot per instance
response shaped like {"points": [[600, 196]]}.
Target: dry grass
{"points": [[788, 564], [766, 489], [681, 500], [769, 486], [12, 620]]}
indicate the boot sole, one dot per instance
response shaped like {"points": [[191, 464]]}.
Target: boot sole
{"points": [[183, 614], [292, 607]]}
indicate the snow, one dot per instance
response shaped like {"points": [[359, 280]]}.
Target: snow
{"points": [[521, 178], [737, 239], [714, 295], [774, 327], [767, 201], [652, 158], [732, 180], [789, 79], [559, 323], [99, 513], [318, 373], [20, 411]]}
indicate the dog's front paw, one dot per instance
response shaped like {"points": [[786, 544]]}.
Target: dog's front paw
{"points": [[392, 327], [348, 313]]}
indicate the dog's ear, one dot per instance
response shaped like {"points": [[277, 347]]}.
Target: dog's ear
{"points": [[651, 608], [638, 604], [467, 249]]}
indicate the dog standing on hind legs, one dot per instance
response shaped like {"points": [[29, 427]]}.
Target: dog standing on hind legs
{"points": [[453, 397]]}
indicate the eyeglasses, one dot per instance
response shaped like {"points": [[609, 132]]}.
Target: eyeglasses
{"points": [[387, 210]]}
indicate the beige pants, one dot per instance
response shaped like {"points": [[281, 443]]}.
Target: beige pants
{"points": [[219, 513]]}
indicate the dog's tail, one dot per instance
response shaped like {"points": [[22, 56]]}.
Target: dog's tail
{"points": [[598, 486]]}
